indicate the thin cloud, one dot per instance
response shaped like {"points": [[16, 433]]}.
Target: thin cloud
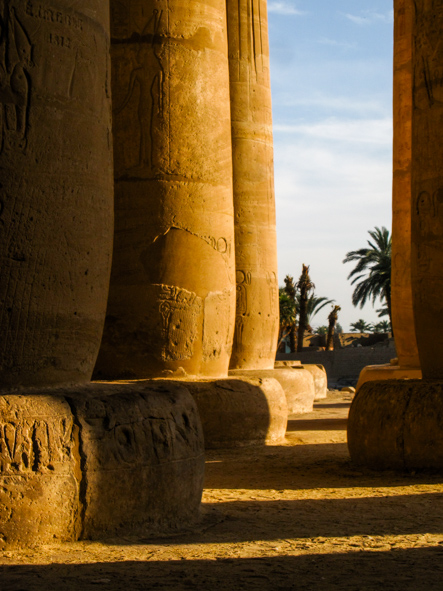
{"points": [[369, 18], [284, 8], [335, 43], [369, 131]]}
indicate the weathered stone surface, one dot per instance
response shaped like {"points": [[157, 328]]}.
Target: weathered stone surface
{"points": [[240, 411], [56, 205], [97, 460], [172, 293], [318, 372], [297, 383], [39, 471], [256, 325], [142, 457], [402, 312], [427, 186], [397, 425], [294, 363], [373, 373]]}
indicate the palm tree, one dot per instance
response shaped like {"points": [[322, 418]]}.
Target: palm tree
{"points": [[313, 306], [291, 328], [372, 273], [382, 326], [287, 318], [360, 326], [332, 318], [304, 285]]}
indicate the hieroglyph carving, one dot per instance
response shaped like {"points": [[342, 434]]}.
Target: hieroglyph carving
{"points": [[34, 445], [15, 79], [180, 311], [146, 84]]}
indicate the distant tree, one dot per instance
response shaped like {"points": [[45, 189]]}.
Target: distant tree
{"points": [[304, 286], [291, 292], [332, 319], [321, 330], [372, 273], [360, 326], [287, 316], [381, 327], [338, 328], [313, 306]]}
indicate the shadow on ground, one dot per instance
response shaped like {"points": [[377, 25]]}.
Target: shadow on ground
{"points": [[409, 570]]}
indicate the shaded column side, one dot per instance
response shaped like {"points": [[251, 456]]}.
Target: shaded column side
{"points": [[427, 185], [172, 295], [256, 328], [402, 312], [56, 212]]}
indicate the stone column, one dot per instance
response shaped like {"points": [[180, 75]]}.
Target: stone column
{"points": [[402, 312], [256, 325], [172, 296], [56, 215], [407, 364], [427, 186], [397, 424]]}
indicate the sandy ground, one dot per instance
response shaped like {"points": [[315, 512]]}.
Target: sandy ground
{"points": [[295, 516]]}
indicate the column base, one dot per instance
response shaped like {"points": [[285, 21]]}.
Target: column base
{"points": [[372, 373], [297, 383], [239, 411], [397, 425], [318, 373], [98, 460]]}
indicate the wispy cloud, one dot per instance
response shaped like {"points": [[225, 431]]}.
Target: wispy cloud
{"points": [[369, 131], [284, 8], [368, 17], [335, 43]]}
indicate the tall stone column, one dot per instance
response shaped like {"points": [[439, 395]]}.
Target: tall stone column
{"points": [[407, 364], [172, 295], [402, 312], [256, 325], [397, 424], [56, 213], [427, 186]]}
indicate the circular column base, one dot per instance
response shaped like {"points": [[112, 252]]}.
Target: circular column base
{"points": [[99, 460], [240, 411], [397, 424], [372, 373], [297, 383]]}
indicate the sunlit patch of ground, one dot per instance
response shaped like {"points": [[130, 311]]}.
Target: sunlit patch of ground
{"points": [[289, 517]]}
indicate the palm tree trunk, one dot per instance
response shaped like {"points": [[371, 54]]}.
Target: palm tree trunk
{"points": [[303, 319]]}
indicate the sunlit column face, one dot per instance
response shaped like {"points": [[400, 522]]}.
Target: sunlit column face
{"points": [[172, 300], [255, 234]]}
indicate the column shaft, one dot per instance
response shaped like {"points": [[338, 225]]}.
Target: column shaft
{"points": [[256, 327], [172, 294]]}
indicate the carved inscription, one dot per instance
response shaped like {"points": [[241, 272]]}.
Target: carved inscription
{"points": [[146, 88], [51, 15], [28, 445], [217, 317], [181, 312], [15, 81], [244, 280]]}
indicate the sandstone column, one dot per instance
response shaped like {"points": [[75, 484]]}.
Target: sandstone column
{"points": [[256, 326], [397, 424], [427, 186], [56, 191], [402, 313], [408, 364], [172, 296]]}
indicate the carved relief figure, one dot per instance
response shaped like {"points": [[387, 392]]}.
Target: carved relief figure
{"points": [[15, 81], [180, 311], [243, 281], [148, 78]]}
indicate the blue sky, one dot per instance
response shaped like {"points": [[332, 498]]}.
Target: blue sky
{"points": [[331, 69]]}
